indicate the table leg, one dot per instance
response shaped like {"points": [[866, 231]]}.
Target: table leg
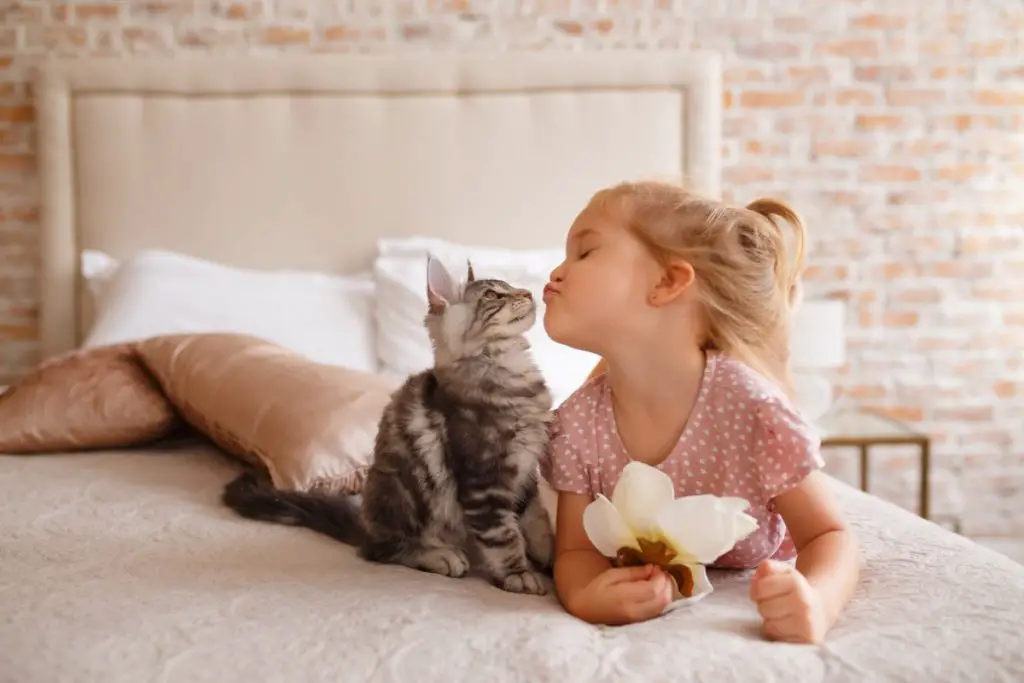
{"points": [[926, 466], [864, 467]]}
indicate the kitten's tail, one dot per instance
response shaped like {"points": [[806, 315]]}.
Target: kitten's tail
{"points": [[336, 516]]}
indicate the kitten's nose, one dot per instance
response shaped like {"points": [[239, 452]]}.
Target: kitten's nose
{"points": [[526, 293]]}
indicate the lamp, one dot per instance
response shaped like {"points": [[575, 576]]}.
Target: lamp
{"points": [[817, 341]]}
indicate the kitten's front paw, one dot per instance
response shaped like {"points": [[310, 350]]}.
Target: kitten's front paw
{"points": [[445, 561], [524, 582]]}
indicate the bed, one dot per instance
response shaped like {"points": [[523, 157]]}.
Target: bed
{"points": [[122, 565]]}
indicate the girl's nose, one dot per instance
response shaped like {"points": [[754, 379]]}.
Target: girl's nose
{"points": [[558, 273]]}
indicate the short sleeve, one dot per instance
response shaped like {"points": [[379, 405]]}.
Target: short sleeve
{"points": [[565, 464], [787, 447]]}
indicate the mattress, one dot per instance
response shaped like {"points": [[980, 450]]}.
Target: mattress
{"points": [[123, 566]]}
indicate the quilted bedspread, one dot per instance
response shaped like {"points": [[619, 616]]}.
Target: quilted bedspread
{"points": [[123, 567]]}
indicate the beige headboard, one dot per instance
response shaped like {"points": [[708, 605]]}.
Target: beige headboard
{"points": [[303, 162]]}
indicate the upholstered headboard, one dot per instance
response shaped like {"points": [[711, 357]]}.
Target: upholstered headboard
{"points": [[303, 162]]}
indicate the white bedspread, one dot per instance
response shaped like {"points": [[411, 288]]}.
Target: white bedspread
{"points": [[124, 567]]}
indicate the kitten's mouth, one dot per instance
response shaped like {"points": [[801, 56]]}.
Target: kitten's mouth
{"points": [[520, 318]]}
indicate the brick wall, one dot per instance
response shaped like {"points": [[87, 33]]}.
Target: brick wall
{"points": [[896, 126]]}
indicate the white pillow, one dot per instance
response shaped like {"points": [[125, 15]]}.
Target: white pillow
{"points": [[326, 317], [403, 346]]}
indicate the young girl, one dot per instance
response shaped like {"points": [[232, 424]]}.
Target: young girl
{"points": [[687, 301]]}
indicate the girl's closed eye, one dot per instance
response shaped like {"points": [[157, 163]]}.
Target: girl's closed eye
{"points": [[587, 246]]}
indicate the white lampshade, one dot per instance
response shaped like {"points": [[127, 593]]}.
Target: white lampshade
{"points": [[817, 335]]}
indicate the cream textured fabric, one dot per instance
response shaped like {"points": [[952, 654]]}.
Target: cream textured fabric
{"points": [[123, 567], [311, 425], [308, 159]]}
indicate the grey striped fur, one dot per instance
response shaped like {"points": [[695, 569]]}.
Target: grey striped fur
{"points": [[457, 452]]}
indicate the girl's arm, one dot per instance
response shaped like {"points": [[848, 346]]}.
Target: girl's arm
{"points": [[577, 562], [828, 554], [803, 604], [589, 587]]}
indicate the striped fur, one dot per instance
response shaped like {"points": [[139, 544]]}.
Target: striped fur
{"points": [[457, 452]]}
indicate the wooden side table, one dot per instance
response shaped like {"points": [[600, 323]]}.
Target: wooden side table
{"points": [[863, 429]]}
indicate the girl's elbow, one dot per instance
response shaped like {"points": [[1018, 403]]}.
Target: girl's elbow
{"points": [[851, 545], [571, 603]]}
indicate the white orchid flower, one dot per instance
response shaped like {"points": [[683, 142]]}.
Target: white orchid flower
{"points": [[644, 523]]}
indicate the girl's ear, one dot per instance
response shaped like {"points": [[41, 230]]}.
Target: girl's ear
{"points": [[676, 278], [440, 286]]}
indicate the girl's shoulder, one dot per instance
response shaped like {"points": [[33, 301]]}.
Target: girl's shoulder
{"points": [[740, 385], [780, 446], [739, 389]]}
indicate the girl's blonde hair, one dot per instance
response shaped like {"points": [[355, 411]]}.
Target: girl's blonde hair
{"points": [[747, 280]]}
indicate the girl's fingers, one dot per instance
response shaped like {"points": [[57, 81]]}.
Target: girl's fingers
{"points": [[789, 629], [626, 574], [649, 609], [771, 587], [640, 591], [776, 608], [661, 582]]}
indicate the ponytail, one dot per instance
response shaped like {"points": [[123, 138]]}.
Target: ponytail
{"points": [[788, 270]]}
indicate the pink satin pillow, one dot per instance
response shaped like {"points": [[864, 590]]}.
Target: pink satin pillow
{"points": [[310, 426], [85, 399]]}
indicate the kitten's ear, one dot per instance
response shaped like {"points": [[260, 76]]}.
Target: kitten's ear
{"points": [[440, 287], [469, 271]]}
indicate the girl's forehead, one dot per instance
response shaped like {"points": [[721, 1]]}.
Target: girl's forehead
{"points": [[599, 219]]}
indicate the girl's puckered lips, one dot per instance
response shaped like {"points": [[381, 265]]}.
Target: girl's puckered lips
{"points": [[549, 291]]}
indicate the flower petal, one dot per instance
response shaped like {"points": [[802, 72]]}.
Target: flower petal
{"points": [[701, 589], [606, 528], [733, 504], [703, 528], [698, 575], [640, 494], [701, 585], [743, 526]]}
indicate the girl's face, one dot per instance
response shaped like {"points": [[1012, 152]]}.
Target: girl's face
{"points": [[598, 295]]}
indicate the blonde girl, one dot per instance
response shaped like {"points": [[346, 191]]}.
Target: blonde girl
{"points": [[687, 302]]}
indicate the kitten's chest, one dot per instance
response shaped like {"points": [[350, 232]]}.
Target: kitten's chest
{"points": [[530, 439]]}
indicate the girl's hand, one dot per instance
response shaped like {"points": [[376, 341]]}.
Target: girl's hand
{"points": [[788, 604], [624, 595]]}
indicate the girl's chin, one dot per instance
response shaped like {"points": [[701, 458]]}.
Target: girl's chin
{"points": [[554, 326], [560, 334]]}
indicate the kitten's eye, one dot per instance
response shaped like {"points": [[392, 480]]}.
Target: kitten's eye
{"points": [[491, 294]]}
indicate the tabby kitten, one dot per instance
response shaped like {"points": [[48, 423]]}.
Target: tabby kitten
{"points": [[456, 456]]}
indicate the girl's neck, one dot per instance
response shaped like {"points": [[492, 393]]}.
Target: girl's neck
{"points": [[651, 380]]}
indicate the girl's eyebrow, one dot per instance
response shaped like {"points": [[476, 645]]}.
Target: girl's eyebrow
{"points": [[584, 232]]}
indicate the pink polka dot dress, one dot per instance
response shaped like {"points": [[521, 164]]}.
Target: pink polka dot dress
{"points": [[743, 438]]}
